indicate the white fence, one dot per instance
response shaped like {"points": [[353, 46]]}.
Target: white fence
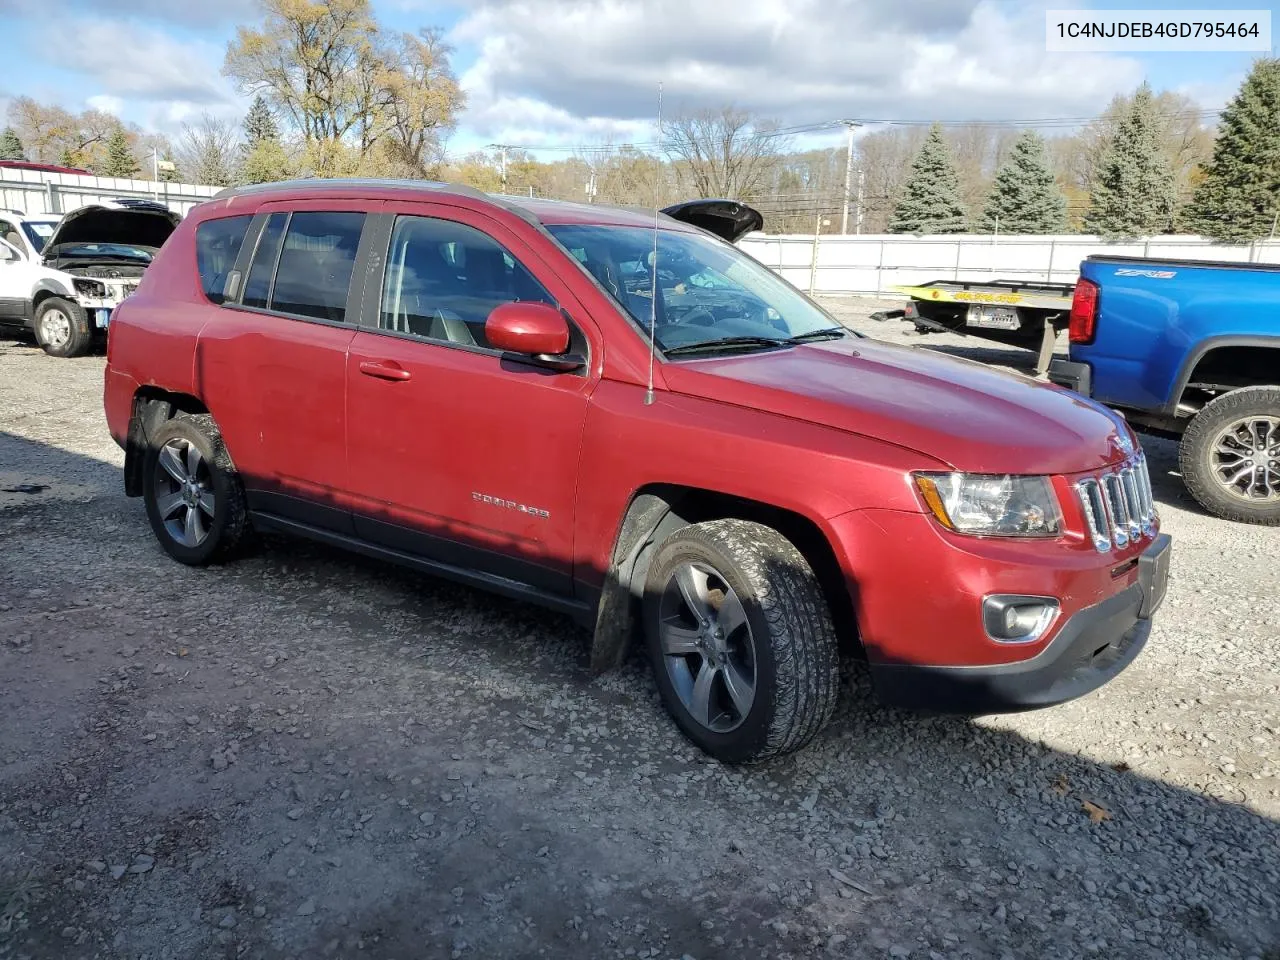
{"points": [[832, 263], [39, 192], [874, 264]]}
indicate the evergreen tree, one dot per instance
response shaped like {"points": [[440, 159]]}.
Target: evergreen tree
{"points": [[263, 158], [10, 145], [259, 125], [119, 160], [1133, 191], [1024, 197], [1240, 195], [930, 199]]}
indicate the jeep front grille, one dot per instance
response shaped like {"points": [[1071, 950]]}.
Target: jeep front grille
{"points": [[1118, 506]]}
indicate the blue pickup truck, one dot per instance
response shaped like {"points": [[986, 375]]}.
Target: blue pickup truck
{"points": [[1191, 350]]}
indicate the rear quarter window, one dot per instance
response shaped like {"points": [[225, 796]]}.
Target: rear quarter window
{"points": [[217, 246]]}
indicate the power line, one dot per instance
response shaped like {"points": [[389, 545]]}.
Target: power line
{"points": [[672, 138], [1037, 122], [833, 125]]}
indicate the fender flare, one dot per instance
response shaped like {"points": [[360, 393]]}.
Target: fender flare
{"points": [[648, 520], [50, 287]]}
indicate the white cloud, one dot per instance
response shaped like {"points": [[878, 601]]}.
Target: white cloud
{"points": [[196, 13], [106, 103], [579, 70], [169, 116], [132, 63]]}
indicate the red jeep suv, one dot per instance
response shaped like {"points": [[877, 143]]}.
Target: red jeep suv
{"points": [[620, 415]]}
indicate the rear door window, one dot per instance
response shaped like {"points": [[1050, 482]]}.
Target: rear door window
{"points": [[217, 246], [257, 288], [316, 262]]}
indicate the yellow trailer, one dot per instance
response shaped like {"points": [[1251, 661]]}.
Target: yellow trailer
{"points": [[1019, 314]]}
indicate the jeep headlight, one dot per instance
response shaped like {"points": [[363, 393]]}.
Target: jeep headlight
{"points": [[992, 505], [90, 288]]}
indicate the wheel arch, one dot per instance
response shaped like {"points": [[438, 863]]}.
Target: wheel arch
{"points": [[1218, 350], [152, 406], [39, 296], [46, 288], [657, 510]]}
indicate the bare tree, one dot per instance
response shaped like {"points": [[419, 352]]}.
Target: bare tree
{"points": [[422, 95], [208, 150], [311, 61], [725, 152], [53, 135]]}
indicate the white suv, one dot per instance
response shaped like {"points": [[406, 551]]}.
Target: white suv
{"points": [[62, 278]]}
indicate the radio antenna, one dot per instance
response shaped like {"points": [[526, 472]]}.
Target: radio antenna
{"points": [[653, 270]]}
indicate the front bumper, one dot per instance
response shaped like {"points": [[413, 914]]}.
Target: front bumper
{"points": [[1072, 375], [1092, 647], [99, 309]]}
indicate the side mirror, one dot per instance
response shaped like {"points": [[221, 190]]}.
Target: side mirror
{"points": [[537, 332], [9, 253]]}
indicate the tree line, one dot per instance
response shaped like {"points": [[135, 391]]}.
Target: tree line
{"points": [[1140, 180], [336, 94]]}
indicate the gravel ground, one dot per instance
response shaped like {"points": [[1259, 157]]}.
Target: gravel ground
{"points": [[308, 755]]}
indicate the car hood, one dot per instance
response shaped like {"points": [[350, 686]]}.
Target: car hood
{"points": [[956, 411], [140, 224]]}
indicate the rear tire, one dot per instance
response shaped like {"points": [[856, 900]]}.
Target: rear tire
{"points": [[62, 329], [741, 641], [193, 495], [1236, 433]]}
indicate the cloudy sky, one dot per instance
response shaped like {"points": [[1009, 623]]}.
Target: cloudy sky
{"points": [[556, 73]]}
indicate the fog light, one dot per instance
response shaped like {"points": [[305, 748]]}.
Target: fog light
{"points": [[1010, 618]]}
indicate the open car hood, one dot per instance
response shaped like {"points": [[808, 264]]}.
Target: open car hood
{"points": [[727, 219], [134, 223]]}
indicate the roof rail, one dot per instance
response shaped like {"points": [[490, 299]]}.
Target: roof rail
{"points": [[320, 184]]}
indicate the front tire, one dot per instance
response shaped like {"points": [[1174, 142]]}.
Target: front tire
{"points": [[193, 495], [1230, 456], [740, 639], [62, 329]]}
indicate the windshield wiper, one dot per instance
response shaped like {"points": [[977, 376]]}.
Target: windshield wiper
{"points": [[826, 333], [730, 343]]}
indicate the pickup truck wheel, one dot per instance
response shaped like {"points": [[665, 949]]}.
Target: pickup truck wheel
{"points": [[741, 640], [1230, 456], [193, 495], [62, 329]]}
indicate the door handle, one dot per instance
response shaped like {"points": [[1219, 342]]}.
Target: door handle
{"points": [[384, 370]]}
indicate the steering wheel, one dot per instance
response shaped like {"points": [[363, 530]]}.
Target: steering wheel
{"points": [[699, 316]]}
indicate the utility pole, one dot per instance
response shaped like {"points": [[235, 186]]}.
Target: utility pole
{"points": [[848, 175], [813, 254], [857, 223]]}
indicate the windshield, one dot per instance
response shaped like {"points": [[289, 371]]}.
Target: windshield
{"points": [[38, 232], [90, 250], [708, 292]]}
